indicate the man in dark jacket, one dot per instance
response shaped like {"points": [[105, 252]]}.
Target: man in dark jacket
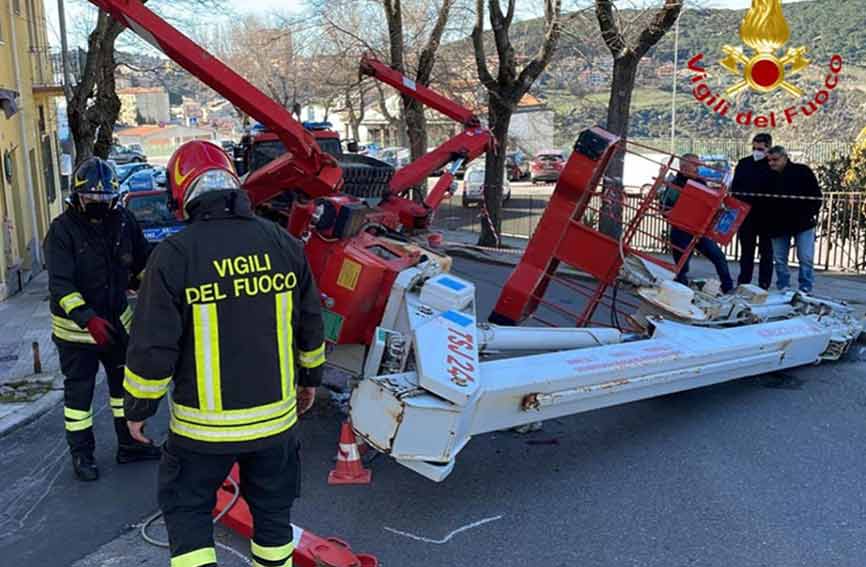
{"points": [[94, 251], [753, 176], [795, 215], [226, 309], [680, 239]]}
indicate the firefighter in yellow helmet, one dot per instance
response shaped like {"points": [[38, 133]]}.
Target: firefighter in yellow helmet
{"points": [[229, 315]]}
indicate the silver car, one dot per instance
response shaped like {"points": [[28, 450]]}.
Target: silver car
{"points": [[473, 186]]}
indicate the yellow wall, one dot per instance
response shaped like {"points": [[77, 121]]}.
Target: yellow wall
{"points": [[16, 219], [128, 109]]}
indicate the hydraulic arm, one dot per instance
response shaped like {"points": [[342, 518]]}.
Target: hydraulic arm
{"points": [[304, 167]]}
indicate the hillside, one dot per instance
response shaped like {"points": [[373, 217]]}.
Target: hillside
{"points": [[576, 84], [824, 27]]}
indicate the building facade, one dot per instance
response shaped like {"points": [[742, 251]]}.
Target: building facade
{"points": [[162, 141], [30, 191], [144, 105]]}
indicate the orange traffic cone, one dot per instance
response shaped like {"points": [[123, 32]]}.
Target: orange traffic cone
{"points": [[349, 469]]}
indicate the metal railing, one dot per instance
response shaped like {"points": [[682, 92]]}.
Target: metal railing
{"points": [[840, 243], [46, 67]]}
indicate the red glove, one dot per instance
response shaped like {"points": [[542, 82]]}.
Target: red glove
{"points": [[101, 331]]}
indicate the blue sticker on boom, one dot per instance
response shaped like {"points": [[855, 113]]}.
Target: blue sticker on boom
{"points": [[452, 283], [458, 318]]}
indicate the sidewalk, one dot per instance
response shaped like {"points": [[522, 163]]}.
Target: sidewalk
{"points": [[25, 319]]}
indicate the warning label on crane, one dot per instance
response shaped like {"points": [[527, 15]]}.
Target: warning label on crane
{"points": [[333, 325], [349, 274]]}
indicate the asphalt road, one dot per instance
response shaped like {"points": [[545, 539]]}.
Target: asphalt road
{"points": [[765, 471]]}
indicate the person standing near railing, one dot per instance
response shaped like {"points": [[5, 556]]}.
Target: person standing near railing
{"points": [[753, 176], [795, 216], [680, 239]]}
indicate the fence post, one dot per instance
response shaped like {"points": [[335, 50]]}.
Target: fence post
{"points": [[828, 240]]}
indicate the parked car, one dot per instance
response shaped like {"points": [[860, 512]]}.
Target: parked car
{"points": [[122, 155], [228, 146], [150, 209], [473, 186], [517, 166], [126, 170], [396, 157], [546, 166], [149, 179]]}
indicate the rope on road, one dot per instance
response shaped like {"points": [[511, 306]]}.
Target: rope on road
{"points": [[152, 541]]}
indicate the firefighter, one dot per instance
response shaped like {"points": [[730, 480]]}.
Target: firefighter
{"points": [[94, 251], [230, 315]]}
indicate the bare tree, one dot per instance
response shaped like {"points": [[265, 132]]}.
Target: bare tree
{"points": [[627, 49], [413, 111], [93, 104], [265, 51], [505, 91]]}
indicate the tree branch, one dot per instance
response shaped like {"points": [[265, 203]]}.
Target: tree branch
{"points": [[478, 44], [553, 28], [428, 54], [507, 61], [661, 23], [610, 29]]}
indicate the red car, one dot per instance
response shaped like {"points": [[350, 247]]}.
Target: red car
{"points": [[546, 166]]}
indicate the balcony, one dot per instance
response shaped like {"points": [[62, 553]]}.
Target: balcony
{"points": [[47, 71]]}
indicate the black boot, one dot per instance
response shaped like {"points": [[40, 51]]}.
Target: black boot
{"points": [[85, 468], [134, 451]]}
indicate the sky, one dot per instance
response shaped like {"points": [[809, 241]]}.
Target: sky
{"points": [[263, 7]]}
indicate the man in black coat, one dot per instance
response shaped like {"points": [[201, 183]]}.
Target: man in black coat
{"points": [[753, 176], [795, 215]]}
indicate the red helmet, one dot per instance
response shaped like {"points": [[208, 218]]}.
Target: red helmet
{"points": [[196, 168]]}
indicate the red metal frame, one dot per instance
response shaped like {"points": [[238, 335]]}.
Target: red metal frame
{"points": [[469, 144], [563, 236]]}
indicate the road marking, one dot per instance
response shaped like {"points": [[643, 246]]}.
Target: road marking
{"points": [[234, 552], [447, 538]]}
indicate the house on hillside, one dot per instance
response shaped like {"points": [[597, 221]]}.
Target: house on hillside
{"points": [[144, 105], [531, 125], [163, 140], [193, 113]]}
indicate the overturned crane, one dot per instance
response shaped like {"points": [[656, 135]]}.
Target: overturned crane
{"points": [[409, 330]]}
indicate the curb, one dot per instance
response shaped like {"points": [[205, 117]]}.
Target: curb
{"points": [[30, 412]]}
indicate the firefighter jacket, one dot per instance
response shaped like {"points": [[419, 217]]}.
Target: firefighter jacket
{"points": [[90, 267], [226, 310]]}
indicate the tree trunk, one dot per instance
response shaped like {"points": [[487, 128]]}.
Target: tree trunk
{"points": [[95, 106], [107, 101], [624, 74], [416, 128], [491, 223]]}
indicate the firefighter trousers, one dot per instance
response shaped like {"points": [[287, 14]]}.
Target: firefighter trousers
{"points": [[269, 482], [80, 366]]}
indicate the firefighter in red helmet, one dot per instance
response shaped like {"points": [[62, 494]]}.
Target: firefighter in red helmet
{"points": [[230, 316]]}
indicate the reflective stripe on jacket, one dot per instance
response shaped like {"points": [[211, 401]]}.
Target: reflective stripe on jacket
{"points": [[89, 270], [227, 313]]}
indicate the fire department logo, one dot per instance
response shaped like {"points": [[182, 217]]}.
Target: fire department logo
{"points": [[765, 30], [763, 67]]}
